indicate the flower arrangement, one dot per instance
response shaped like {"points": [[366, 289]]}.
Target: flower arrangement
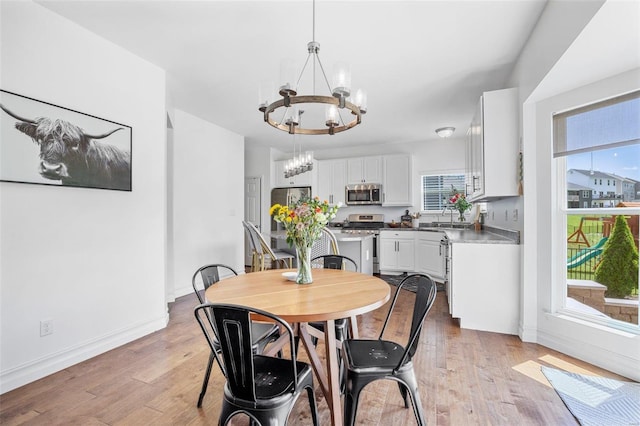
{"points": [[459, 202], [303, 222]]}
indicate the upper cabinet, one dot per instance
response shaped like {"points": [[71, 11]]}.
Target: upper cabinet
{"points": [[303, 179], [364, 170], [492, 147], [396, 183], [332, 179]]}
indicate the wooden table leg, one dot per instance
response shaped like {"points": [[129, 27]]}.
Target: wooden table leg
{"points": [[329, 382], [353, 327], [333, 372]]}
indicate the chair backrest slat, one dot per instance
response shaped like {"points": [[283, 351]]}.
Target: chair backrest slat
{"points": [[334, 261], [234, 330], [260, 241], [254, 239], [209, 275], [326, 244]]}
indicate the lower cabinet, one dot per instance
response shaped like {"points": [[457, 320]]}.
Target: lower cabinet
{"points": [[430, 255], [484, 286], [397, 251]]}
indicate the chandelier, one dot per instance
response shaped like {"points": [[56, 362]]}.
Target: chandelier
{"points": [[303, 162], [283, 114]]}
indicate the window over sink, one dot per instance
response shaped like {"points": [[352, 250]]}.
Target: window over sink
{"points": [[435, 190]]}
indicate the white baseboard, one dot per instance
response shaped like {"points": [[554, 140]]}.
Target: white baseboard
{"points": [[591, 353], [527, 334], [52, 363]]}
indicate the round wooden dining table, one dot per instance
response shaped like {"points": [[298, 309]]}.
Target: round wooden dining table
{"points": [[333, 294]]}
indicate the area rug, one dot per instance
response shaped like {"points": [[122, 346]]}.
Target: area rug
{"points": [[597, 400]]}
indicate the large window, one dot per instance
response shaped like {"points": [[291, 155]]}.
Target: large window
{"points": [[594, 144], [436, 190]]}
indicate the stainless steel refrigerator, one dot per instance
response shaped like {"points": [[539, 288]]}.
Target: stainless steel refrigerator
{"points": [[287, 196]]}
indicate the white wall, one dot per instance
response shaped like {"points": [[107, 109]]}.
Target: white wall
{"points": [[91, 260], [208, 198]]}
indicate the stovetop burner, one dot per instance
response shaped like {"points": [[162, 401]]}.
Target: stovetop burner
{"points": [[363, 223]]}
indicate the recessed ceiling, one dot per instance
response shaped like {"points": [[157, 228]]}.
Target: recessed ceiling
{"points": [[423, 63]]}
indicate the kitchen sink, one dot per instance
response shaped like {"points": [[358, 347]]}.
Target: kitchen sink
{"points": [[455, 225]]}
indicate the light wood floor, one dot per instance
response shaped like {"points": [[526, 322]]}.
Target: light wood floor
{"points": [[466, 378]]}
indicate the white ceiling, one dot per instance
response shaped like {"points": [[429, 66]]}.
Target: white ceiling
{"points": [[423, 63]]}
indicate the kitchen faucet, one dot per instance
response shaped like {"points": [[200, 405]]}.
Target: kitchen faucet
{"points": [[451, 210]]}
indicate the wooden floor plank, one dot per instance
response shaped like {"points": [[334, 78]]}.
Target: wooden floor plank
{"points": [[465, 377]]}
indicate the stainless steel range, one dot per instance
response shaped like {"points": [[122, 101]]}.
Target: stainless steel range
{"points": [[367, 224]]}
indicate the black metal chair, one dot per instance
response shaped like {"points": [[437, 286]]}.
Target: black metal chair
{"points": [[334, 261], [369, 360], [264, 333], [264, 388]]}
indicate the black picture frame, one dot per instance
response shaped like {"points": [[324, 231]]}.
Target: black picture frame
{"points": [[46, 144]]}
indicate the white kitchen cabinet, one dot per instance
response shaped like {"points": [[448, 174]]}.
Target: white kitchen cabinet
{"points": [[430, 254], [484, 286], [364, 170], [397, 251], [303, 179], [493, 146], [396, 182], [332, 179]]}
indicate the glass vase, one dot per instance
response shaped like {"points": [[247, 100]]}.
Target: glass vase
{"points": [[304, 265], [461, 217]]}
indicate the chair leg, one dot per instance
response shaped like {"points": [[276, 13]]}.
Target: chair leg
{"points": [[417, 407], [403, 392], [410, 385], [313, 406], [350, 408], [205, 382]]}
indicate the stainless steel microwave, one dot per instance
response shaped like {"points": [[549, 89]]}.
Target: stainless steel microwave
{"points": [[363, 194]]}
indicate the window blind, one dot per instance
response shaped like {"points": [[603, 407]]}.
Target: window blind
{"points": [[436, 190], [602, 125]]}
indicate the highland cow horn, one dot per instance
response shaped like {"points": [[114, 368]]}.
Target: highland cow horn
{"points": [[103, 135], [17, 117]]}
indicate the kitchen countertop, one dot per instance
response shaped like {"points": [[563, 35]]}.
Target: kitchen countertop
{"points": [[350, 237], [336, 231], [457, 235]]}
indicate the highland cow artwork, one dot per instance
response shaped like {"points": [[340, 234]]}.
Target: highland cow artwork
{"points": [[43, 143]]}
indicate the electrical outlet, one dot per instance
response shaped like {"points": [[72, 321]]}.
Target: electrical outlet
{"points": [[46, 327]]}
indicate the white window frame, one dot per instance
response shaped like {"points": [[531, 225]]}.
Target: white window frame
{"points": [[447, 173], [559, 249]]}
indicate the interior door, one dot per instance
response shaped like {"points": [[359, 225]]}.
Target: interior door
{"points": [[252, 210]]}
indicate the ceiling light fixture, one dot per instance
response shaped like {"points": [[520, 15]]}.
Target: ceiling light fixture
{"points": [[445, 132], [339, 100], [303, 162]]}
